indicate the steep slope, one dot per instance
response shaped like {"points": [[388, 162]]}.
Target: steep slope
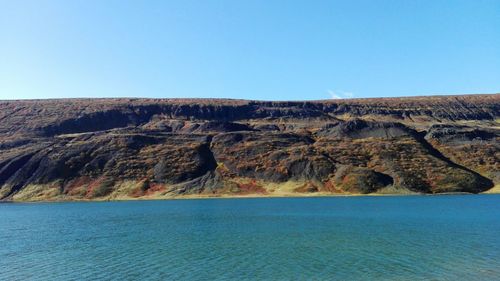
{"points": [[144, 148]]}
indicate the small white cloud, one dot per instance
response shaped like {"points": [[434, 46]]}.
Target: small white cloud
{"points": [[334, 95], [340, 94], [348, 95]]}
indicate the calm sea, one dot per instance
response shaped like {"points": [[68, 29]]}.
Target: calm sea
{"points": [[343, 238]]}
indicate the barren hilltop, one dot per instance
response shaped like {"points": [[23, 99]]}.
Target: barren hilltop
{"points": [[100, 149]]}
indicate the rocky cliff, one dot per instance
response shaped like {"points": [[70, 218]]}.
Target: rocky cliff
{"points": [[77, 149]]}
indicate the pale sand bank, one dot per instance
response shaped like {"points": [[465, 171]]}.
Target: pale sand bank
{"points": [[43, 193]]}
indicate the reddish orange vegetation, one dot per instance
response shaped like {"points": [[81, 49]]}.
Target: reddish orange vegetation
{"points": [[92, 186], [250, 188], [330, 187], [98, 187], [155, 188], [73, 187]]}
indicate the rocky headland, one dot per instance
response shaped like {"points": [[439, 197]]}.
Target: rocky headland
{"points": [[112, 149]]}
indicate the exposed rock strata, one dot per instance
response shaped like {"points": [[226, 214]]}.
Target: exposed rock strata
{"points": [[143, 148]]}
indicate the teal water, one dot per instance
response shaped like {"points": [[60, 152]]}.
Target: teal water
{"points": [[341, 238]]}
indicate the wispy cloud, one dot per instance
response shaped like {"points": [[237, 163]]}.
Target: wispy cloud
{"points": [[340, 94]]}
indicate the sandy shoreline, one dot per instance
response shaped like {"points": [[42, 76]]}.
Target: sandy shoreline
{"points": [[495, 190]]}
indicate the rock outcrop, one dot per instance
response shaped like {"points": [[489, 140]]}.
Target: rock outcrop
{"points": [[79, 149]]}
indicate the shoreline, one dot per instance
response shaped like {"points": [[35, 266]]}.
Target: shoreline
{"points": [[249, 196]]}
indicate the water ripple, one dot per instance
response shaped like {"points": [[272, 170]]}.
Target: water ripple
{"points": [[394, 238]]}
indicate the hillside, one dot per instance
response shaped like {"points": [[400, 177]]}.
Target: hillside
{"points": [[79, 149]]}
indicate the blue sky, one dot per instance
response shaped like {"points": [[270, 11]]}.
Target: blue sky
{"points": [[270, 49]]}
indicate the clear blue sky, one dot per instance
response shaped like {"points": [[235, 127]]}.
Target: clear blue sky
{"points": [[269, 49]]}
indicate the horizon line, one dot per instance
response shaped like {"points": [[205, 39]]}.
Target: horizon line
{"points": [[251, 100]]}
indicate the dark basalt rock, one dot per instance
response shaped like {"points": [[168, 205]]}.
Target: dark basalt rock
{"points": [[359, 129], [461, 134], [201, 161], [267, 127], [209, 183], [360, 180], [220, 127]]}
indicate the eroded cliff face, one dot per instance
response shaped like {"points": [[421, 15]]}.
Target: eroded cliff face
{"points": [[79, 149]]}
